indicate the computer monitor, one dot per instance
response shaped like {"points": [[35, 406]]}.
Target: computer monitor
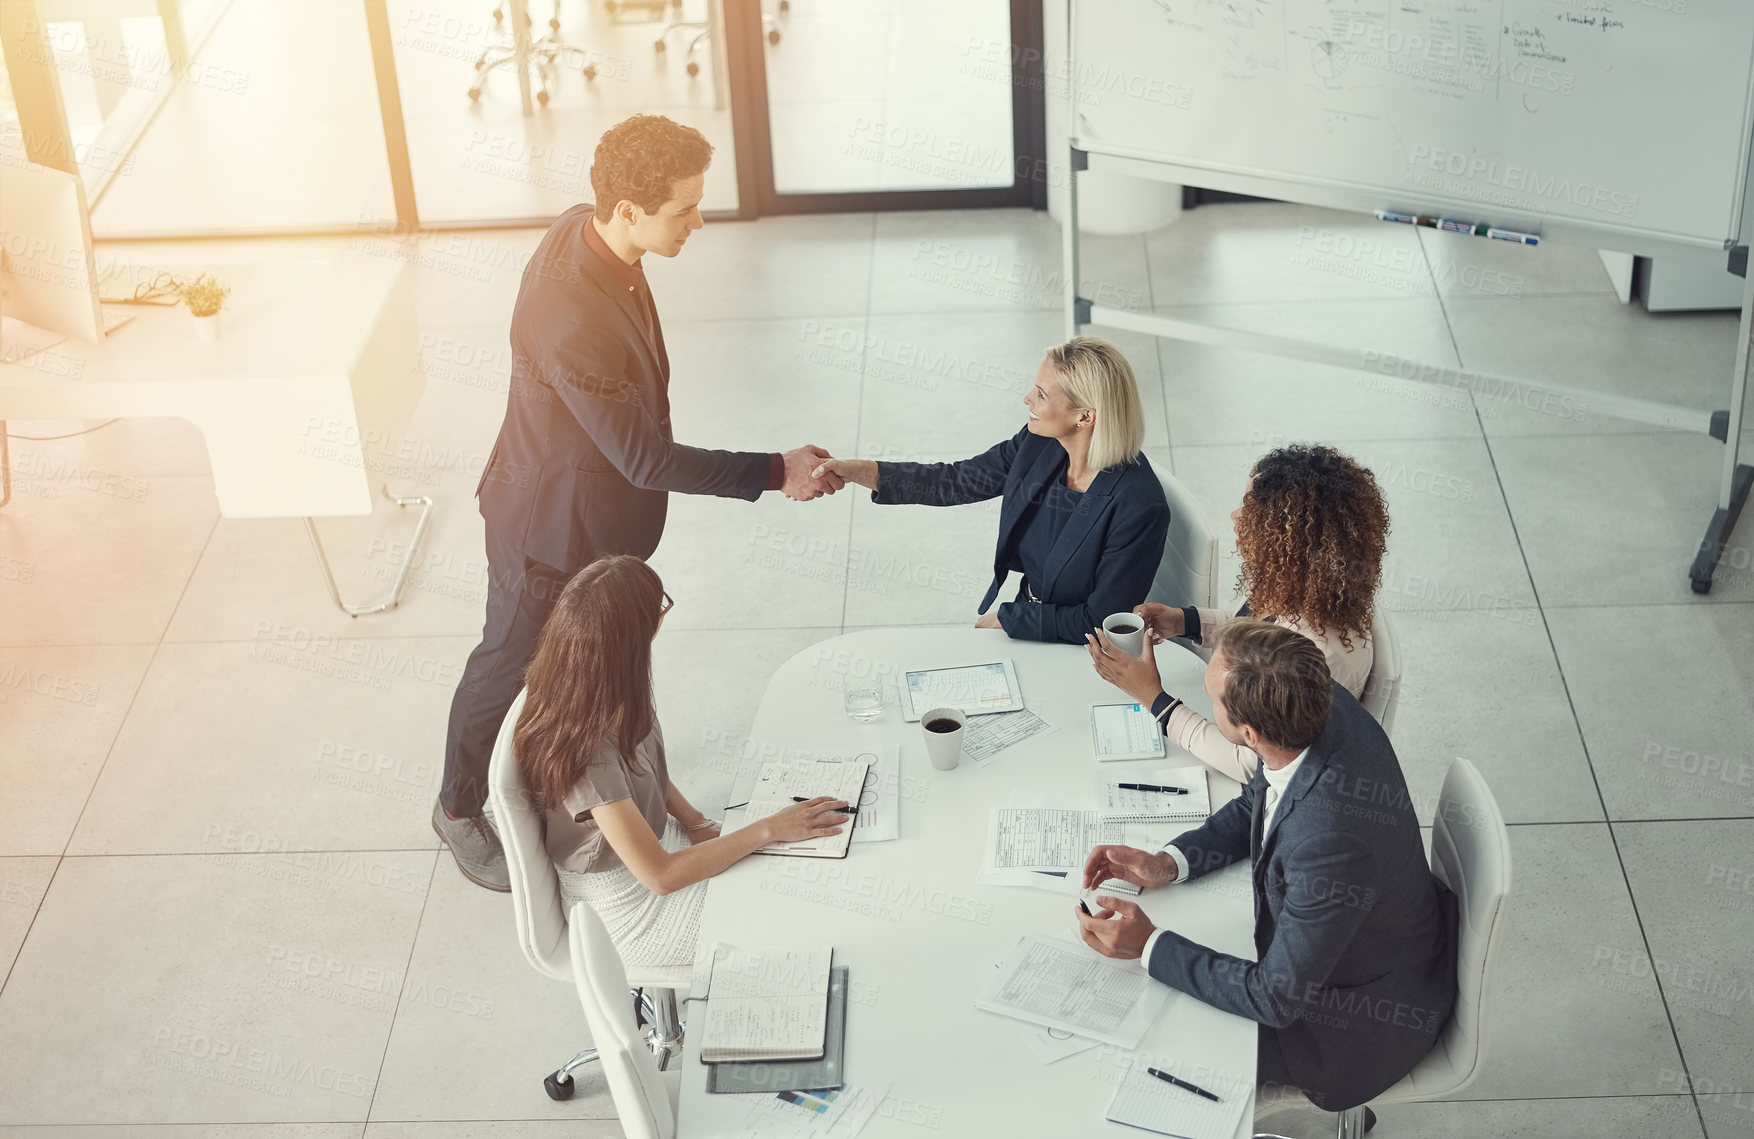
{"points": [[48, 271]]}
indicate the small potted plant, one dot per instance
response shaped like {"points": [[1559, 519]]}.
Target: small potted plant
{"points": [[204, 296]]}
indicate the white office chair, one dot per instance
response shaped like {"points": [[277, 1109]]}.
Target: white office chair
{"points": [[645, 1097], [1382, 688], [542, 921], [1470, 852], [1188, 572]]}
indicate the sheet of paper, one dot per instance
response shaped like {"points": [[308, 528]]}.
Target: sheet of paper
{"points": [[879, 817], [1046, 838], [1045, 1044], [1120, 802], [1142, 1100], [1066, 986], [986, 736], [969, 687], [1064, 882], [839, 1114]]}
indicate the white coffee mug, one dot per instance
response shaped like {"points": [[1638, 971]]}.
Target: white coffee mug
{"points": [[1133, 644], [944, 748]]}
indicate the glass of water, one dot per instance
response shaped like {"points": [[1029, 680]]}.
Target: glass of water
{"points": [[864, 700]]}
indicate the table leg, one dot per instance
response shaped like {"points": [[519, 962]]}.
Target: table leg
{"points": [[395, 596]]}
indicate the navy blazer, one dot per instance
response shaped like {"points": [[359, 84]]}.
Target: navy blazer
{"points": [[1356, 937], [585, 456], [1103, 561]]}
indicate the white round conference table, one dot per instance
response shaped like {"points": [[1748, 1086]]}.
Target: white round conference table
{"points": [[915, 929]]}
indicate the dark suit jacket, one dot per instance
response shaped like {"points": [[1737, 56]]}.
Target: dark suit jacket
{"points": [[1356, 938], [1102, 563], [585, 455]]}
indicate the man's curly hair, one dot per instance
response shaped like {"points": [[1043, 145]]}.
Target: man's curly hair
{"points": [[1312, 531], [641, 158]]}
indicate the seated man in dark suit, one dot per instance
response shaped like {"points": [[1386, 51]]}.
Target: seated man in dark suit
{"points": [[1356, 938]]}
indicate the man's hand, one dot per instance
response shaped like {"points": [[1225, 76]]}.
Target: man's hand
{"points": [[1136, 676], [802, 483], [989, 619], [1129, 864], [1120, 929]]}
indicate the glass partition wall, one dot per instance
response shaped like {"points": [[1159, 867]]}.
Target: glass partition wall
{"points": [[247, 117]]}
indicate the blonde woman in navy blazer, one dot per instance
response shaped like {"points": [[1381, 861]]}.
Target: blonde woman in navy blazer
{"points": [[1084, 516]]}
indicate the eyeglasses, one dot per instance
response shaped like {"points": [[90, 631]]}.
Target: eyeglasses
{"points": [[666, 604]]}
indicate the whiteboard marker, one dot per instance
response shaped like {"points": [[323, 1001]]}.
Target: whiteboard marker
{"points": [[1453, 226], [1396, 215], [1512, 235]]}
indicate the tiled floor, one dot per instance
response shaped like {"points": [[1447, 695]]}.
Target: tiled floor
{"points": [[222, 911]]}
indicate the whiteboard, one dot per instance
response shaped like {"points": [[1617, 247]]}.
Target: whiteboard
{"points": [[1614, 117]]}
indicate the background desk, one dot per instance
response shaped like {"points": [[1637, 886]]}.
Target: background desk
{"points": [[302, 399], [911, 924]]}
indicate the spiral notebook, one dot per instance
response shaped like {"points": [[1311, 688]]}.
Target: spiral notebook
{"points": [[1119, 802], [1142, 1100]]}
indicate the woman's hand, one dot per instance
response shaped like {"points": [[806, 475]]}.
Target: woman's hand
{"points": [[1162, 621], [861, 471], [989, 619], [800, 822], [1136, 676]]}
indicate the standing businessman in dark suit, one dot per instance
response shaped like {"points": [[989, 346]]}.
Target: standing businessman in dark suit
{"points": [[585, 457], [1356, 938]]}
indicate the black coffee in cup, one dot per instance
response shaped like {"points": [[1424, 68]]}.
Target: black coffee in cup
{"points": [[942, 724], [1124, 628]]}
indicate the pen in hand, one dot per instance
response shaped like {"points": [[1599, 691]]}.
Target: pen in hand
{"points": [[1152, 787], [847, 810]]}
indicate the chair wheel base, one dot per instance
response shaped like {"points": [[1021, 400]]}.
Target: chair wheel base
{"points": [[558, 1085]]}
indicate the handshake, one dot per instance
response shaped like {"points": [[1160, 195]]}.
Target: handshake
{"points": [[812, 472]]}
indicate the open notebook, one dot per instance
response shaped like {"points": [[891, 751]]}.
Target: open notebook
{"points": [[1118, 802], [782, 780], [1142, 1100], [766, 1002]]}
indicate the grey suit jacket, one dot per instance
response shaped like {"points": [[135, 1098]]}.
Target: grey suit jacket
{"points": [[1356, 938]]}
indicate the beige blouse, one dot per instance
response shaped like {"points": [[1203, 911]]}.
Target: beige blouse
{"points": [[574, 840], [1188, 729]]}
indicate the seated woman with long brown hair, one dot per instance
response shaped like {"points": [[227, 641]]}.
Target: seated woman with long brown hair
{"points": [[1311, 530], [588, 744]]}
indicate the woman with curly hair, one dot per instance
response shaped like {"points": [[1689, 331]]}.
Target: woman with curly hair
{"points": [[1311, 531]]}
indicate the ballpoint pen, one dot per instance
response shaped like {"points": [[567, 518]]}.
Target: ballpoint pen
{"points": [[847, 810], [1167, 1078], [1152, 787]]}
